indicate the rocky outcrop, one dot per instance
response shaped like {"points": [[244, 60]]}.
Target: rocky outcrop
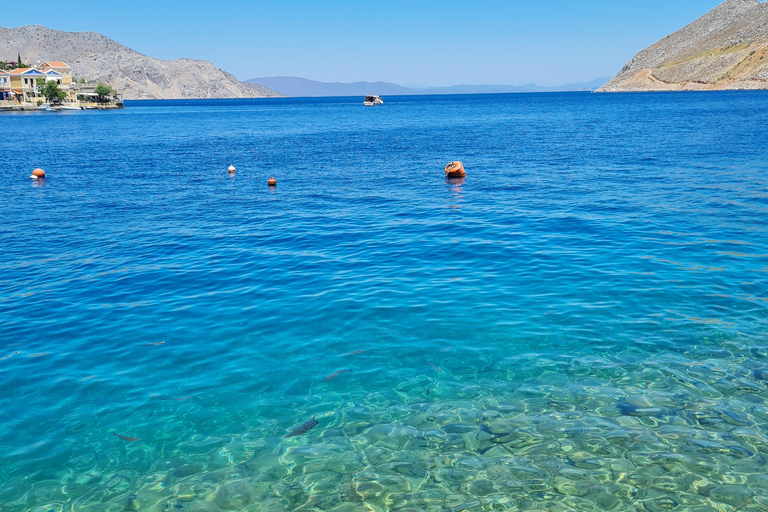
{"points": [[95, 57], [726, 48]]}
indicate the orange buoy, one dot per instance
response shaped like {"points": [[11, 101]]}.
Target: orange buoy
{"points": [[231, 169], [454, 170], [38, 173], [272, 182]]}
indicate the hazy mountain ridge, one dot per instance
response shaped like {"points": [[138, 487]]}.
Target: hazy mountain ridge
{"points": [[727, 48], [138, 76], [302, 87]]}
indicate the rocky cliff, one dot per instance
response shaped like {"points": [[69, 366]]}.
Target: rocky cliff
{"points": [[95, 57], [726, 48]]}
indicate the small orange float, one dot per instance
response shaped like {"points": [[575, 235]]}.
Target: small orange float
{"points": [[38, 173], [455, 170], [272, 182]]}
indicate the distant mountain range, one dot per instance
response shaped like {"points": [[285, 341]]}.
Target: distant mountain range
{"points": [[301, 87], [97, 58], [727, 48]]}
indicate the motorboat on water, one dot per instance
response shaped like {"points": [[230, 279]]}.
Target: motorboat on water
{"points": [[51, 107], [372, 100], [55, 107]]}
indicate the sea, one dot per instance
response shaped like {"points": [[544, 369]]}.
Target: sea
{"points": [[579, 324]]}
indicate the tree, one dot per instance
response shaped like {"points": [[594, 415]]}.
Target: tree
{"points": [[102, 91], [52, 92]]}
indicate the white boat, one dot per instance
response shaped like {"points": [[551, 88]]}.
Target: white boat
{"points": [[50, 107], [71, 106], [372, 100]]}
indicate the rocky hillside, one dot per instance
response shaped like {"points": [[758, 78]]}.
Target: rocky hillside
{"points": [[726, 48], [96, 57]]}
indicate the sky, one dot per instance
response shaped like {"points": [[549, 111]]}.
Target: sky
{"points": [[410, 42]]}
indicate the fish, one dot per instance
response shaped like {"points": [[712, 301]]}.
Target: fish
{"points": [[303, 428], [356, 352], [333, 375], [126, 438], [176, 399], [153, 344], [438, 370], [446, 349]]}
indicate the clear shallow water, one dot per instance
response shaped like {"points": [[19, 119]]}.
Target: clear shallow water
{"points": [[581, 324]]}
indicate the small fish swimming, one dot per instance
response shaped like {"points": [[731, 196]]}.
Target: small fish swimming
{"points": [[126, 438], [356, 352], [181, 398], [303, 428], [438, 370], [333, 375], [153, 344]]}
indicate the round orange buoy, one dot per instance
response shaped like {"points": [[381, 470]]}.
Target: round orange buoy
{"points": [[454, 170], [38, 173], [272, 182], [231, 169]]}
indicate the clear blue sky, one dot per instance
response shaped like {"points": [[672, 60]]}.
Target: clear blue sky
{"points": [[411, 42]]}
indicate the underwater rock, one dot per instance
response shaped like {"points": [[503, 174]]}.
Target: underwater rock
{"points": [[409, 468], [233, 495], [660, 504], [182, 472], [760, 374], [503, 438], [458, 428], [482, 487], [456, 475], [133, 504], [348, 492], [568, 487], [735, 495], [733, 418], [370, 490], [343, 463], [463, 506]]}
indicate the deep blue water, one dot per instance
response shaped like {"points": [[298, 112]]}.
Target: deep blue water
{"points": [[580, 324]]}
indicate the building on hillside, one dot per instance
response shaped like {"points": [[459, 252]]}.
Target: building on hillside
{"points": [[6, 93], [87, 93], [60, 67], [22, 85], [53, 76], [24, 82]]}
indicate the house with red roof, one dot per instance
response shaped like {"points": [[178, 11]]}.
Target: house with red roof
{"points": [[24, 82], [59, 67]]}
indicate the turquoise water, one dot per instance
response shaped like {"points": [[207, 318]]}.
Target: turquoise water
{"points": [[580, 324]]}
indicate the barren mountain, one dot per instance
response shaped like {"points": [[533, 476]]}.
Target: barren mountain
{"points": [[726, 48], [96, 57]]}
